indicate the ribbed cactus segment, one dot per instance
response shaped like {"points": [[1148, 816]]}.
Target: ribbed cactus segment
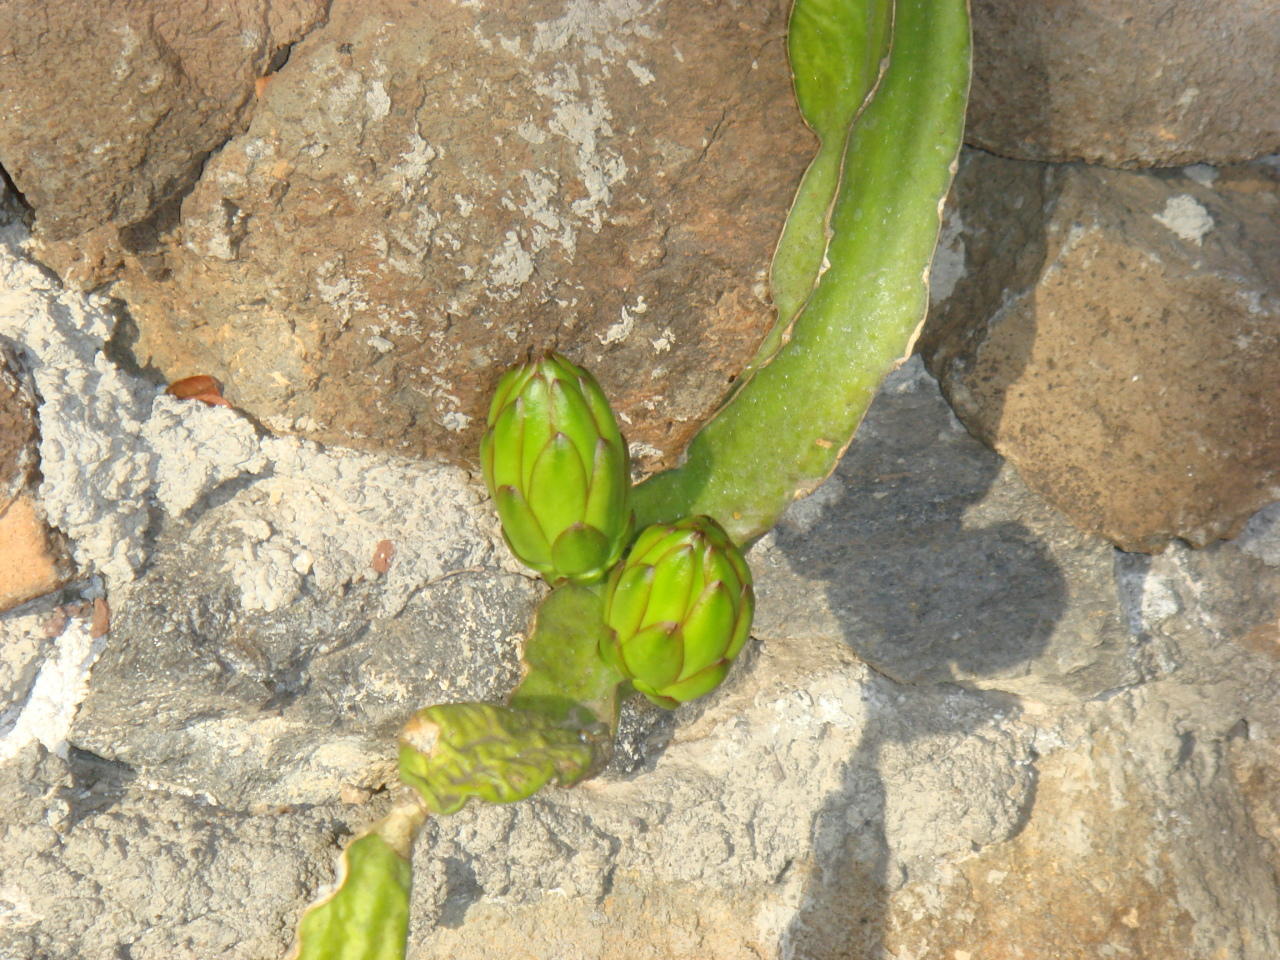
{"points": [[678, 610], [366, 914], [558, 470]]}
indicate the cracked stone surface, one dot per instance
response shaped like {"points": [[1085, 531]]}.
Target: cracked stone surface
{"points": [[856, 788], [964, 726], [113, 107]]}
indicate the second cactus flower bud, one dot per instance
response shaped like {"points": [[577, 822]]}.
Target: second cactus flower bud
{"points": [[679, 609], [557, 468]]}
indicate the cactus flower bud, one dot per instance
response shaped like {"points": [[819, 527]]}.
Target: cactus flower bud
{"points": [[679, 610], [558, 470]]}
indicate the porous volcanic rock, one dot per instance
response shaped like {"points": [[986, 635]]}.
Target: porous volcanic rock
{"points": [[428, 192], [1116, 335], [111, 108], [1124, 83]]}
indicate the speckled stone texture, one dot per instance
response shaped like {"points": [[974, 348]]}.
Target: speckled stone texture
{"points": [[427, 192], [112, 107], [1126, 84], [1116, 336]]}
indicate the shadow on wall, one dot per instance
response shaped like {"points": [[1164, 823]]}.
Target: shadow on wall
{"points": [[922, 599]]}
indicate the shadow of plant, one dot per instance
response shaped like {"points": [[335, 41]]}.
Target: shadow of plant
{"points": [[933, 605]]}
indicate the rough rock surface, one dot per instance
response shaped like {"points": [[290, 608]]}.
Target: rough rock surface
{"points": [[96, 472], [427, 192], [207, 687], [969, 794], [17, 427], [1123, 84], [1116, 336], [1077, 711], [99, 865], [113, 106], [33, 559]]}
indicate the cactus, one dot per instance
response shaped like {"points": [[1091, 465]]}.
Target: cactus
{"points": [[557, 469], [366, 915], [678, 610], [456, 751], [782, 432], [883, 84]]}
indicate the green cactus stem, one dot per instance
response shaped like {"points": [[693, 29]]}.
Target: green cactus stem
{"points": [[883, 84], [453, 752], [564, 678], [782, 432], [366, 915], [830, 90]]}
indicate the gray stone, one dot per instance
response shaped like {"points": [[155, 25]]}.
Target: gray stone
{"points": [[1085, 711], [287, 705], [99, 866], [1125, 84], [956, 706], [933, 562]]}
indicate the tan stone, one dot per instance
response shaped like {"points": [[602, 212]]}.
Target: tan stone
{"points": [[1103, 868], [633, 922], [1116, 336], [32, 562], [1255, 765], [112, 108], [1126, 84]]}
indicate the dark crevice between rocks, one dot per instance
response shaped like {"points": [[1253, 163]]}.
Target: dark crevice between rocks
{"points": [[462, 890], [13, 202], [1028, 804], [145, 238], [97, 784], [644, 731], [119, 348]]}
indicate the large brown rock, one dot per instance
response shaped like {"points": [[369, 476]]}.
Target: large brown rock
{"points": [[427, 192], [1117, 336], [111, 108], [1126, 83]]}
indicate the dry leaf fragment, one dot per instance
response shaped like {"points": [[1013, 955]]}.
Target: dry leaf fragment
{"points": [[382, 555], [100, 625], [201, 387]]}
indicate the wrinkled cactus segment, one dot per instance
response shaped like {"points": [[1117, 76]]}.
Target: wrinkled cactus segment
{"points": [[854, 261], [366, 915], [565, 680], [678, 609], [558, 470], [453, 752]]}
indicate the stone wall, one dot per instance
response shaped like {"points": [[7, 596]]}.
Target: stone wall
{"points": [[1011, 687]]}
